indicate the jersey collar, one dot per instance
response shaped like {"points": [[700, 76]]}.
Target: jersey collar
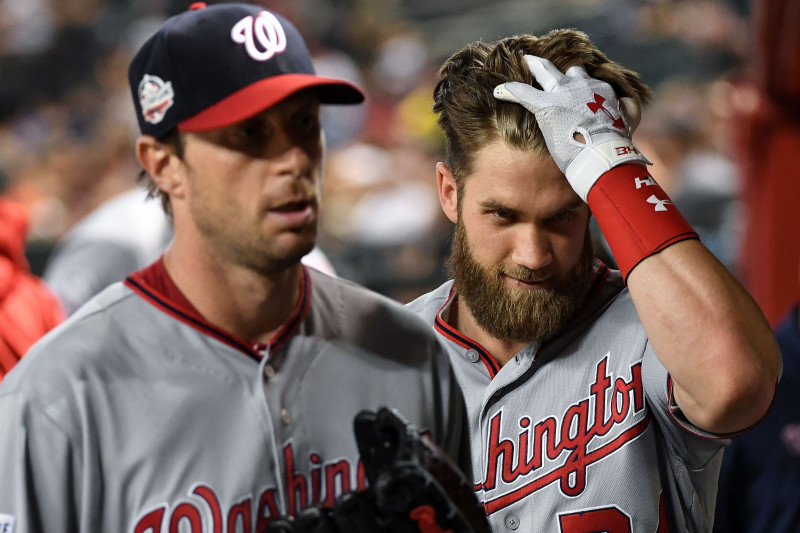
{"points": [[449, 332], [155, 285]]}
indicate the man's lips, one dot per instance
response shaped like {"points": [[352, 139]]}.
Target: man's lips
{"points": [[296, 205], [294, 213], [531, 283]]}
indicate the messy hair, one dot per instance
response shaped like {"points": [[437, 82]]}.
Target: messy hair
{"points": [[471, 117]]}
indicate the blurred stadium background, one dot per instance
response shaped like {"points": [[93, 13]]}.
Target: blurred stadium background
{"points": [[67, 126]]}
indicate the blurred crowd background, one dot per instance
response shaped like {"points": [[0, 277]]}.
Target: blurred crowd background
{"points": [[67, 125]]}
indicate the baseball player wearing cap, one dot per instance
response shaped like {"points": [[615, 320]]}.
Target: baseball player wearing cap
{"points": [[216, 389], [598, 400]]}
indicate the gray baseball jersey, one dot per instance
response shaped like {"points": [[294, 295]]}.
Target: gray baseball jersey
{"points": [[138, 416], [578, 435]]}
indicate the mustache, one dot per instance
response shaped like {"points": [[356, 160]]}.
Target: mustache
{"points": [[524, 274]]}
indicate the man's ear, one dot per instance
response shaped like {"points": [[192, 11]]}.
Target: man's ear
{"points": [[161, 162], [448, 191]]}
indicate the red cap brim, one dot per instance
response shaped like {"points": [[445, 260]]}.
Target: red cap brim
{"points": [[267, 92]]}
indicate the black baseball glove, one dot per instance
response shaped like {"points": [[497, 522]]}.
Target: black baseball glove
{"points": [[414, 487]]}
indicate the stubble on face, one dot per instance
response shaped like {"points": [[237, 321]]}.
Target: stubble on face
{"points": [[517, 315], [240, 240]]}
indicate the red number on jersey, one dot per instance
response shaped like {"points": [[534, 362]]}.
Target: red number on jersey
{"points": [[606, 520]]}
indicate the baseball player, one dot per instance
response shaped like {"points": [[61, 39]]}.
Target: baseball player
{"points": [[598, 400], [216, 389]]}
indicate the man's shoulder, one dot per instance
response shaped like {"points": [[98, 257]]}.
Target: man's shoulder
{"points": [[78, 346], [427, 305], [347, 295], [356, 312]]}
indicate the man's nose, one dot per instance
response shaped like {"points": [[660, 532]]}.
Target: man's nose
{"points": [[291, 158], [533, 250]]}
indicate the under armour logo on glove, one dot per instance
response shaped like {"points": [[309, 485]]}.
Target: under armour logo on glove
{"points": [[597, 105], [582, 143], [660, 205]]}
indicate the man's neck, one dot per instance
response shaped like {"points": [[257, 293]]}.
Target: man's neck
{"points": [[461, 318], [248, 304]]}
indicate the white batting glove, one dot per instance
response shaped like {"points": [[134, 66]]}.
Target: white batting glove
{"points": [[575, 103]]}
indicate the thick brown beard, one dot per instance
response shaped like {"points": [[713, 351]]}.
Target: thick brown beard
{"points": [[517, 315]]}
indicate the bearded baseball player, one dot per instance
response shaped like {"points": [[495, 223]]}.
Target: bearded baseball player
{"points": [[216, 389], [598, 399]]}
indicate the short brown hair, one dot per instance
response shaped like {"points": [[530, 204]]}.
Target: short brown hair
{"points": [[471, 117], [174, 139]]}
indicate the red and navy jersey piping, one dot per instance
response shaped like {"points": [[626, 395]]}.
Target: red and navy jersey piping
{"points": [[599, 279], [138, 283], [454, 335]]}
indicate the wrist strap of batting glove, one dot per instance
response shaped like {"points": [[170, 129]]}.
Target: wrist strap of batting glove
{"points": [[600, 154], [635, 215]]}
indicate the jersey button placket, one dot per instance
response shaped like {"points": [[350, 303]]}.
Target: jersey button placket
{"points": [[512, 522], [472, 356]]}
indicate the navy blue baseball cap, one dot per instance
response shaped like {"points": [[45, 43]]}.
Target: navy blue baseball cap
{"points": [[215, 65]]}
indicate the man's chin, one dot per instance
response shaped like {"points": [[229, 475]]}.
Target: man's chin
{"points": [[517, 311], [283, 253], [293, 243], [294, 256]]}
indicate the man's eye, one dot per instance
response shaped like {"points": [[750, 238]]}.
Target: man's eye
{"points": [[502, 214], [252, 129], [565, 216], [306, 123]]}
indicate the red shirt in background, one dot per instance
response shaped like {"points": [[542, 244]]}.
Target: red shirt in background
{"points": [[28, 309]]}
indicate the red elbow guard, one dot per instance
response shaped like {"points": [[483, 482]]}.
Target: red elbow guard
{"points": [[635, 215]]}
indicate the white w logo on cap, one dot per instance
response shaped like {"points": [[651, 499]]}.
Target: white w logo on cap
{"points": [[266, 29]]}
